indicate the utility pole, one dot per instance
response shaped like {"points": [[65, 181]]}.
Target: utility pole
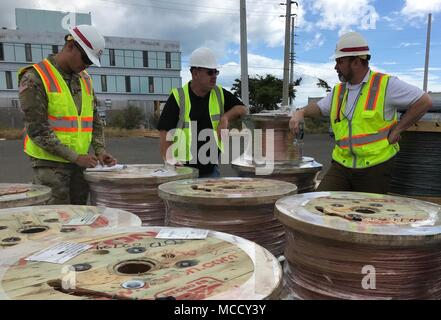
{"points": [[292, 57], [285, 93], [426, 64], [244, 54]]}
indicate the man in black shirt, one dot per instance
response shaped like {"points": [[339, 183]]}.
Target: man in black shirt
{"points": [[198, 106]]}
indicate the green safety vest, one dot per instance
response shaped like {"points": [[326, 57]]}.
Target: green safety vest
{"points": [[73, 130], [182, 136], [362, 141]]}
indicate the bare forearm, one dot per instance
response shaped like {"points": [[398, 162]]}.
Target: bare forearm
{"points": [[236, 112], [414, 113], [312, 110]]}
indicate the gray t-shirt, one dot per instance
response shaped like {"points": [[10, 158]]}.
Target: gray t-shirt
{"points": [[398, 94]]}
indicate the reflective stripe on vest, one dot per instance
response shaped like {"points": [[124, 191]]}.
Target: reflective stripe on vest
{"points": [[374, 91], [363, 139], [48, 76], [73, 130]]}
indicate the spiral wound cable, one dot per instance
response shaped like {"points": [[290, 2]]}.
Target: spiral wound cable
{"points": [[135, 189], [326, 269], [141, 200], [417, 165], [255, 223]]}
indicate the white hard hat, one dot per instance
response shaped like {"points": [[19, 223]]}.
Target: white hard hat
{"points": [[203, 57], [351, 44], [90, 40]]}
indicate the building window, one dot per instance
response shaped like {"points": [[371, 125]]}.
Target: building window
{"points": [[54, 49], [128, 88], [8, 79], [145, 59], [104, 83], [2, 54], [151, 85], [112, 57], [168, 60], [28, 52]]}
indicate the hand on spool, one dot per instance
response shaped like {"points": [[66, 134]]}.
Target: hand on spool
{"points": [[222, 129], [106, 159], [295, 122], [86, 161]]}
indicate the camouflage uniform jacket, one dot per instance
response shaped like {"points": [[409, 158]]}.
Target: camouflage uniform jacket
{"points": [[34, 104]]}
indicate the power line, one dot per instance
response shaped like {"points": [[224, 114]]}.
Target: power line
{"points": [[181, 9]]}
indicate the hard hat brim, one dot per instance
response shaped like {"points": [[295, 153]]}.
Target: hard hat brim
{"points": [[86, 49]]}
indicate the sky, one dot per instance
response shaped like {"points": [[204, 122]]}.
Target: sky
{"points": [[396, 32]]}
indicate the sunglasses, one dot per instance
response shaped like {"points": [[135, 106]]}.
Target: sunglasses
{"points": [[84, 56], [210, 72]]}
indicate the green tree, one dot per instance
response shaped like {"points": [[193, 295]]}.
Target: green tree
{"points": [[129, 118], [265, 92], [323, 84]]}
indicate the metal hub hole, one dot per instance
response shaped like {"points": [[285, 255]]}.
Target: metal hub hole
{"points": [[11, 239], [51, 220], [134, 267], [318, 208], [337, 205], [82, 267], [376, 205], [365, 210], [136, 250], [33, 229], [133, 284], [186, 263], [3, 227], [66, 230]]}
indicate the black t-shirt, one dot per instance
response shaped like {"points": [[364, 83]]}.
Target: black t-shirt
{"points": [[199, 112]]}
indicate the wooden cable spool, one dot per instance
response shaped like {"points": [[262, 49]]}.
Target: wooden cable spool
{"points": [[130, 263], [19, 225], [240, 206], [284, 150], [416, 172], [347, 245], [303, 175], [289, 163], [135, 189], [22, 194]]}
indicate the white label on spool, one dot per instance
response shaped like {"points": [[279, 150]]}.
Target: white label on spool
{"points": [[59, 253], [182, 233], [82, 220]]}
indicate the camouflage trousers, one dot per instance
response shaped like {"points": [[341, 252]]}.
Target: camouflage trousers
{"points": [[67, 184]]}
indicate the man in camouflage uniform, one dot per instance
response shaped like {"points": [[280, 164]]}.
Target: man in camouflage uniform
{"points": [[65, 177]]}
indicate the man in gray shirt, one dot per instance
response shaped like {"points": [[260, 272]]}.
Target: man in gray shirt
{"points": [[363, 114]]}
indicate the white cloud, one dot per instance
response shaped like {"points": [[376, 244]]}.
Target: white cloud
{"points": [[317, 41], [389, 63], [414, 8], [344, 15], [408, 44]]}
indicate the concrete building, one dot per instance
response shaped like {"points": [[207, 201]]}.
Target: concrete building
{"points": [[134, 71]]}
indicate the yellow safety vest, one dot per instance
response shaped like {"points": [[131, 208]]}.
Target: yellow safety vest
{"points": [[182, 136], [73, 130], [362, 141]]}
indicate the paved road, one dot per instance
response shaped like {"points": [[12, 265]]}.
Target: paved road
{"points": [[15, 167]]}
